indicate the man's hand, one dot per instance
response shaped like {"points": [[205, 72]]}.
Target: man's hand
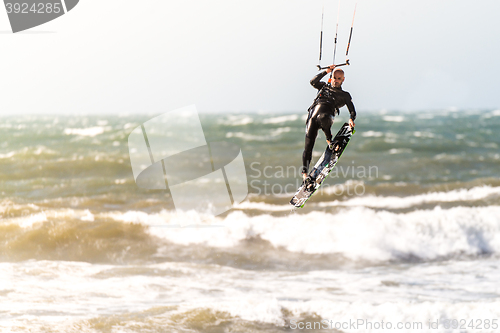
{"points": [[351, 123], [330, 68]]}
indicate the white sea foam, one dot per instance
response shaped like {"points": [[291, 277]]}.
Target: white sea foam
{"points": [[130, 125], [250, 137], [91, 131], [448, 157], [245, 136], [7, 155], [372, 134], [400, 151], [364, 234], [87, 216], [397, 119], [356, 230], [280, 130], [27, 221], [357, 233], [426, 116], [392, 202], [495, 113], [39, 215], [419, 134], [150, 295], [236, 120], [36, 150], [279, 120], [262, 206]]}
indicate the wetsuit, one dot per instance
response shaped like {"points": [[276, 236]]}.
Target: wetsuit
{"points": [[321, 114]]}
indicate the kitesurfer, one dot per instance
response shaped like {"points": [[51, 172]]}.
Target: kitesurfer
{"points": [[330, 98]]}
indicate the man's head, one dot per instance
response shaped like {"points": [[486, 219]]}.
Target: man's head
{"points": [[338, 77]]}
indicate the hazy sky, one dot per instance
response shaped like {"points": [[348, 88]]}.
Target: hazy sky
{"points": [[151, 56]]}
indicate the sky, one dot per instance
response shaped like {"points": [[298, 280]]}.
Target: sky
{"points": [[152, 56]]}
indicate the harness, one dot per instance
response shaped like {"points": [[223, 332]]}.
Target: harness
{"points": [[326, 95]]}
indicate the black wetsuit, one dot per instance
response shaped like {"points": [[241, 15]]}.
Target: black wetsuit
{"points": [[321, 114]]}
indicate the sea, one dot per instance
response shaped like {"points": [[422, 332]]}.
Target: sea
{"points": [[403, 236]]}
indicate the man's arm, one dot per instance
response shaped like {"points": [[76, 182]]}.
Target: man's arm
{"points": [[316, 81], [352, 110]]}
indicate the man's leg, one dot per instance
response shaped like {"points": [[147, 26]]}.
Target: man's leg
{"points": [[311, 133], [326, 122]]}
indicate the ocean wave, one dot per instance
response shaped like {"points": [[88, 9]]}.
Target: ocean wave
{"points": [[281, 119], [236, 120], [246, 136], [393, 202], [251, 137], [494, 113], [358, 233], [397, 119], [7, 155], [209, 298], [266, 313], [91, 131], [279, 131], [426, 116], [400, 151], [370, 134], [352, 231], [419, 134], [262, 206], [73, 235], [38, 150], [10, 210]]}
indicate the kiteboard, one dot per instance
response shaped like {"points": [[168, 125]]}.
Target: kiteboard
{"points": [[323, 167]]}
